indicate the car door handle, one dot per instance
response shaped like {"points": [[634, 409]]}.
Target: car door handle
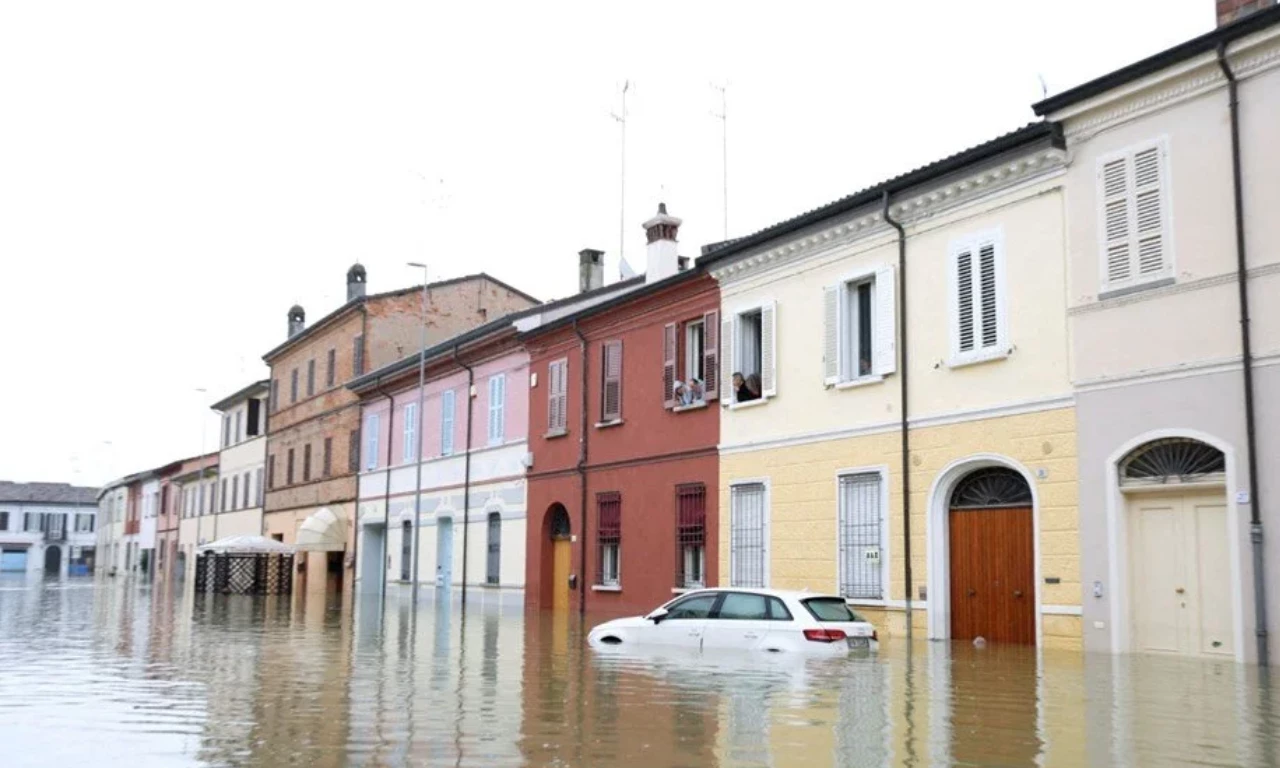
{"points": [[751, 635]]}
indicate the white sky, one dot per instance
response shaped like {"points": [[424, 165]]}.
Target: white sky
{"points": [[173, 176]]}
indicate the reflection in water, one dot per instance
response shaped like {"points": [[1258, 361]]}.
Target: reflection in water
{"points": [[125, 674]]}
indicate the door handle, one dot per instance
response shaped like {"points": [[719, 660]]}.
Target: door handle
{"points": [[1180, 591], [973, 592], [1017, 593], [751, 635]]}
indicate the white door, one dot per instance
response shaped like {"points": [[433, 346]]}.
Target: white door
{"points": [[444, 552], [1179, 574], [684, 623], [741, 622]]}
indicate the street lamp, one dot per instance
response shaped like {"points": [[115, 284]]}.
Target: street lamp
{"points": [[417, 448]]}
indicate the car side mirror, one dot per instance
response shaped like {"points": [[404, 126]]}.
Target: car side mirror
{"points": [[657, 616]]}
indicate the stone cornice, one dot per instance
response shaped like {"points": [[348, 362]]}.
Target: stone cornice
{"points": [[1174, 85], [964, 189]]}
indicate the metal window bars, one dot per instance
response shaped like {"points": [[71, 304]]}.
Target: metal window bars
{"points": [[860, 520], [608, 537], [747, 535], [691, 535]]}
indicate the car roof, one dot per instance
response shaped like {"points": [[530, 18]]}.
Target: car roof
{"points": [[785, 594]]}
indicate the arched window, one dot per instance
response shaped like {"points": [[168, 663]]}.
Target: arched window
{"points": [[560, 526], [1172, 460], [991, 488]]}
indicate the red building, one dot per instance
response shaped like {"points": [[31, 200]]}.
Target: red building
{"points": [[625, 467]]}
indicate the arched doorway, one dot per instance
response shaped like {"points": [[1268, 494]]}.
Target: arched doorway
{"points": [[52, 560], [991, 557], [1178, 548], [558, 555]]}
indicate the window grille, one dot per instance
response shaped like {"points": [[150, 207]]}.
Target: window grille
{"points": [[747, 545], [861, 519], [691, 536]]}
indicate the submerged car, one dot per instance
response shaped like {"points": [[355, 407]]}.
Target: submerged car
{"points": [[745, 619]]}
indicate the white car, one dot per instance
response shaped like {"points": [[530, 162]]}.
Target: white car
{"points": [[745, 619]]}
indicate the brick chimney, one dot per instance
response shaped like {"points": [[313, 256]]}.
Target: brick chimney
{"points": [[355, 282], [590, 270], [663, 261], [1230, 10], [297, 320]]}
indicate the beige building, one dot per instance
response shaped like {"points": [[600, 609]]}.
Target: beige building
{"points": [[197, 493], [1179, 473], [812, 486], [242, 462]]}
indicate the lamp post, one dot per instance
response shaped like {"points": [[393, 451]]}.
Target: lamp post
{"points": [[417, 448]]}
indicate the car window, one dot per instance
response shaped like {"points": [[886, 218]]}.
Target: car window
{"points": [[695, 607], [743, 606], [828, 609], [778, 610]]}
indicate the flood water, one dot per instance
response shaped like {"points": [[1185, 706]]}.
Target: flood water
{"points": [[125, 674]]}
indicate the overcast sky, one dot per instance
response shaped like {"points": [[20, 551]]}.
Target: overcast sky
{"points": [[173, 176]]}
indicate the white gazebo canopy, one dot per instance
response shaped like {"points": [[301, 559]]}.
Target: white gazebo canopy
{"points": [[322, 532], [247, 545]]}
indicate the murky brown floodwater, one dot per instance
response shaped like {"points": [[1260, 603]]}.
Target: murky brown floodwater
{"points": [[118, 674]]}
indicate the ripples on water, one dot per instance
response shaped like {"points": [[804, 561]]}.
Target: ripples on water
{"points": [[125, 674]]}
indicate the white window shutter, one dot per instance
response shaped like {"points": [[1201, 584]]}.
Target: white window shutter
{"points": [[1134, 215], [769, 349], [831, 334], [963, 331], [1149, 211], [885, 339], [728, 358], [1113, 190]]}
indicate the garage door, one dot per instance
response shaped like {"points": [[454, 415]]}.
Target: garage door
{"points": [[13, 560]]}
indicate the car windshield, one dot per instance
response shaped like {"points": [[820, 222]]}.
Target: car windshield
{"points": [[829, 609]]}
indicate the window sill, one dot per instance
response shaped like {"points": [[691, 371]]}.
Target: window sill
{"points": [[553, 434], [690, 407], [606, 588], [979, 358], [682, 590], [607, 424], [748, 404], [861, 381], [1115, 293]]}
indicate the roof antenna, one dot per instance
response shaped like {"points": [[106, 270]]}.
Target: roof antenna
{"points": [[621, 117], [1044, 88], [723, 116]]}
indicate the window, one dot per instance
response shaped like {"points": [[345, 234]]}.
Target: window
{"points": [[828, 609], [558, 396], [748, 536], [447, 399], [271, 470], [244, 500], [31, 521], [237, 436], [331, 368], [691, 536], [213, 497], [493, 566], [293, 386], [226, 430], [691, 361], [326, 467], [743, 606], [254, 420], [235, 492], [275, 395], [977, 299], [288, 473], [357, 356], [409, 448], [497, 408], [353, 451], [609, 537], [261, 491], [692, 607], [1133, 194], [695, 338], [4, 521], [860, 535], [311, 377], [751, 353], [778, 610], [224, 496], [858, 327], [371, 442], [611, 384], [306, 463]]}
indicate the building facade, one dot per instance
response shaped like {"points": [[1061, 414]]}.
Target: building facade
{"points": [[112, 500], [148, 521], [47, 528], [1178, 479], [196, 485], [242, 462], [910, 443], [313, 440], [624, 465]]}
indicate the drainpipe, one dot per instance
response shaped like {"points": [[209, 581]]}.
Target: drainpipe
{"points": [[1255, 517], [904, 426], [386, 495], [582, 476], [466, 472]]}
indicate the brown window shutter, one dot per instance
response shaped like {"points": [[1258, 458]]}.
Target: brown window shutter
{"points": [[353, 451], [711, 355], [669, 365], [611, 409]]}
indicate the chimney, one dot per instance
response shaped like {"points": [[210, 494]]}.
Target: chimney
{"points": [[355, 282], [590, 270], [297, 319], [1231, 10], [660, 232]]}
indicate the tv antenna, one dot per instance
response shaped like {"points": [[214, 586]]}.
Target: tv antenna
{"points": [[621, 117], [723, 116]]}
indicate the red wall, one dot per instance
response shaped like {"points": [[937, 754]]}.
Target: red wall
{"points": [[644, 458]]}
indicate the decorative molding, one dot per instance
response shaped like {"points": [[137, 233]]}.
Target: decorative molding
{"points": [[1179, 371], [956, 192], [1160, 291]]}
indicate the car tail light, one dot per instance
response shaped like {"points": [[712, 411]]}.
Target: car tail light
{"points": [[824, 635]]}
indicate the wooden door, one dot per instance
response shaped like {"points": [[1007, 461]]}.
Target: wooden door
{"points": [[560, 574], [992, 575]]}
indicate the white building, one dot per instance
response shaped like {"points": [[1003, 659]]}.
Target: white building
{"points": [[47, 527], [241, 463]]}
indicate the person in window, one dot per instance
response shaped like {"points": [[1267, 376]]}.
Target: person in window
{"points": [[740, 392], [753, 387], [695, 390], [681, 393]]}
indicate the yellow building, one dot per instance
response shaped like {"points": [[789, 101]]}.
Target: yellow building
{"points": [[812, 481]]}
